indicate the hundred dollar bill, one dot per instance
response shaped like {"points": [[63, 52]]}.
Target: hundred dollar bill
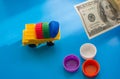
{"points": [[98, 16]]}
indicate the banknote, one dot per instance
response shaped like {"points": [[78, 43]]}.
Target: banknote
{"points": [[98, 16]]}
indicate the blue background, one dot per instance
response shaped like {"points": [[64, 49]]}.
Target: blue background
{"points": [[18, 62]]}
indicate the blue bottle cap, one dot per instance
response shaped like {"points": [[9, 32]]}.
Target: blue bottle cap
{"points": [[53, 28]]}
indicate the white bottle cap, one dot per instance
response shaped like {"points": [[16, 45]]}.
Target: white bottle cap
{"points": [[88, 51]]}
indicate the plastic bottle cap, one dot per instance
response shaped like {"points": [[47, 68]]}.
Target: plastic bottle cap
{"points": [[88, 51], [54, 28], [38, 30], [90, 68], [71, 63], [45, 28]]}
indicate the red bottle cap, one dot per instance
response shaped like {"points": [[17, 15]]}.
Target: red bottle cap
{"points": [[90, 68], [38, 30]]}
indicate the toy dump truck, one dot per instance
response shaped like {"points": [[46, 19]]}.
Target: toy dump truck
{"points": [[35, 34]]}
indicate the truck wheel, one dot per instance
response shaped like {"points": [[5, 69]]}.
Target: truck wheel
{"points": [[50, 43], [32, 45]]}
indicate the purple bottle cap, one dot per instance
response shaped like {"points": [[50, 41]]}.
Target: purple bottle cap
{"points": [[71, 63]]}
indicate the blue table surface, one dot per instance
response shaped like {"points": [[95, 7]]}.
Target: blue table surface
{"points": [[18, 62]]}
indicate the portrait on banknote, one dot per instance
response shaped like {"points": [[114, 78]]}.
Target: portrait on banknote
{"points": [[108, 13]]}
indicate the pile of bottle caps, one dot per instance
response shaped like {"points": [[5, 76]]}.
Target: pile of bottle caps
{"points": [[47, 30]]}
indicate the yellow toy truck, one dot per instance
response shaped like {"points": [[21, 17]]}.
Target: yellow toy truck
{"points": [[35, 34]]}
